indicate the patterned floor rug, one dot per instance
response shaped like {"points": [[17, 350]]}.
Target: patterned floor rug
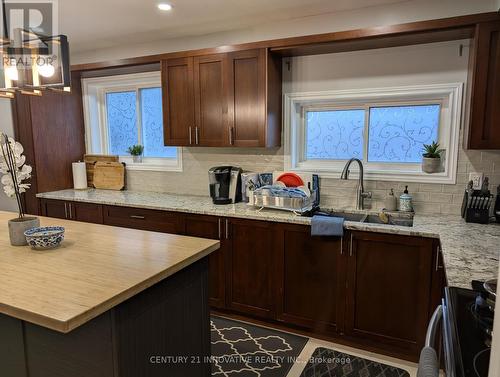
{"points": [[329, 363], [243, 350]]}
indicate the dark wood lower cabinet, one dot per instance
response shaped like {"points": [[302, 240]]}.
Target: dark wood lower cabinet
{"points": [[86, 212], [145, 219], [388, 289], [371, 290], [251, 268], [211, 227], [309, 289]]}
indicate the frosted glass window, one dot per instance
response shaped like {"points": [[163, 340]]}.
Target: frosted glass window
{"points": [[152, 125], [334, 134], [122, 121], [398, 133]]}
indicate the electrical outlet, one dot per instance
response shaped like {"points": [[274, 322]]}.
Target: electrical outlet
{"points": [[477, 180]]}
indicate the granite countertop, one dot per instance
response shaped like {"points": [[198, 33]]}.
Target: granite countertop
{"points": [[470, 251]]}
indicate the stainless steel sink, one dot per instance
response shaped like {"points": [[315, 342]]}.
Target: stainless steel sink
{"points": [[350, 216], [391, 220], [385, 218]]}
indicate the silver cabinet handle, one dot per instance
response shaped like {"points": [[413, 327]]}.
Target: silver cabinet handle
{"points": [[138, 217], [350, 247], [220, 235], [65, 210], [70, 214], [342, 246], [190, 137], [231, 138], [196, 137], [227, 229], [438, 251]]}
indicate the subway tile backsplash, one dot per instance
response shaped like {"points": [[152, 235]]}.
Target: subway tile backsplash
{"points": [[428, 198]]}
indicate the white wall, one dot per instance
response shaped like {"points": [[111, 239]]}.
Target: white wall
{"points": [[408, 11], [7, 127]]}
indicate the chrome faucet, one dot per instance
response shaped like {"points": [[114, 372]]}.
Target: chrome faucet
{"points": [[361, 194]]}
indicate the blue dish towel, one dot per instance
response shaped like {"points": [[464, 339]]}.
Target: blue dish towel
{"points": [[327, 226]]}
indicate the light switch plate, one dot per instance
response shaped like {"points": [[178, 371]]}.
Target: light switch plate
{"points": [[477, 180]]}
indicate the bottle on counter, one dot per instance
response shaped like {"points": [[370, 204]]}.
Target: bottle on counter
{"points": [[405, 201], [391, 203]]}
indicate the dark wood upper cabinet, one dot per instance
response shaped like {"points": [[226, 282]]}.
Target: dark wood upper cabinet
{"points": [[310, 289], [210, 94], [223, 100], [389, 277], [484, 88], [254, 99], [178, 101]]}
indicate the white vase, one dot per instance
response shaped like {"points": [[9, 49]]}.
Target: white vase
{"points": [[431, 165], [18, 226], [137, 159]]}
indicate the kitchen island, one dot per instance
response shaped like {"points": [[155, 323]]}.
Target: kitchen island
{"points": [[108, 302]]}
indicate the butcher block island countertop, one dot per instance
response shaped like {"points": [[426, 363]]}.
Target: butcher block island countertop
{"points": [[96, 268]]}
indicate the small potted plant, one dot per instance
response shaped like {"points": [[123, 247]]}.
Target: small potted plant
{"points": [[15, 172], [136, 152], [431, 161]]}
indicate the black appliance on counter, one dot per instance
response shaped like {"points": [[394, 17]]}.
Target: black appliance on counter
{"points": [[225, 184], [467, 316]]}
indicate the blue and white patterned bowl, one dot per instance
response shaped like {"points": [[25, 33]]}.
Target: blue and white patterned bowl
{"points": [[45, 237]]}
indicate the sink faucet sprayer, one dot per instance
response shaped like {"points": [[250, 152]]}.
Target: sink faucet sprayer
{"points": [[361, 194]]}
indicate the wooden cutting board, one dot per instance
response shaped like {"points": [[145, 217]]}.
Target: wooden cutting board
{"points": [[91, 159], [109, 175]]}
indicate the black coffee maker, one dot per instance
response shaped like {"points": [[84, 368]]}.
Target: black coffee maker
{"points": [[225, 184]]}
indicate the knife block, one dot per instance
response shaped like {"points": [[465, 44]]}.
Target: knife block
{"points": [[476, 208]]}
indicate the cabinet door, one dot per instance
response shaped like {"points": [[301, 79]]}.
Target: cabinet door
{"points": [[388, 290], [309, 282], [210, 227], [145, 219], [250, 267], [178, 101], [484, 119], [55, 208], [210, 95], [247, 98], [86, 212]]}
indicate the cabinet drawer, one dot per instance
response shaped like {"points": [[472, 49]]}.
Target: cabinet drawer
{"points": [[145, 219]]}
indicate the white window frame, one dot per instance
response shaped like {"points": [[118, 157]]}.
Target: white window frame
{"points": [[449, 96], [95, 117]]}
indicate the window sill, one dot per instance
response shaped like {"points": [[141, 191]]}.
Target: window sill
{"points": [[151, 167], [380, 175]]}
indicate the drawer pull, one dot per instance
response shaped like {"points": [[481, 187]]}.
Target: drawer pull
{"points": [[138, 217]]}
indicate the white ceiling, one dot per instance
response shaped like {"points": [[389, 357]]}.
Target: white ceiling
{"points": [[93, 24]]}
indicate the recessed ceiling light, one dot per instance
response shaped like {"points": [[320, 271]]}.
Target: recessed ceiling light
{"points": [[164, 6]]}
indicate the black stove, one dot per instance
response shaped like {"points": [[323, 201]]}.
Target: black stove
{"points": [[467, 326]]}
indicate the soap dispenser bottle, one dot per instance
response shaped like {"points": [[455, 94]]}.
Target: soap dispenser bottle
{"points": [[405, 201]]}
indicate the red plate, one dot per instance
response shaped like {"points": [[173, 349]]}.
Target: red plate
{"points": [[291, 180]]}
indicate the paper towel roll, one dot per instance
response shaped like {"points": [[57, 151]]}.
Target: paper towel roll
{"points": [[79, 175]]}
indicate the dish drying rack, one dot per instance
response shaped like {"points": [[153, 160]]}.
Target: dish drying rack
{"points": [[296, 205]]}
